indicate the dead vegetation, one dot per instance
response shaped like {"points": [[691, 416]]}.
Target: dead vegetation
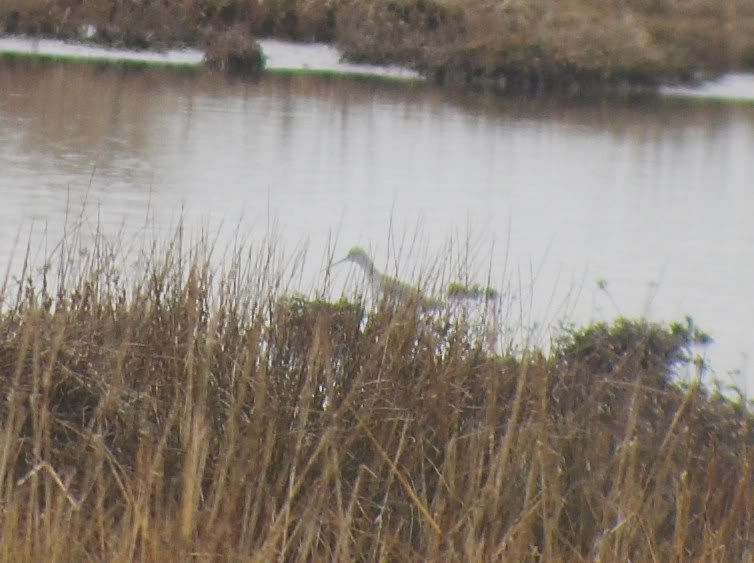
{"points": [[234, 51], [191, 413]]}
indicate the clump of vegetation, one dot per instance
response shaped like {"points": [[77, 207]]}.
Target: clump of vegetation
{"points": [[457, 290], [189, 412], [234, 51]]}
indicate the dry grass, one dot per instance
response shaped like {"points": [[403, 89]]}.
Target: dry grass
{"points": [[529, 46], [189, 413], [569, 46]]}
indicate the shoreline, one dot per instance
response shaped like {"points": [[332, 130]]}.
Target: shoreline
{"points": [[282, 58], [289, 58], [578, 49]]}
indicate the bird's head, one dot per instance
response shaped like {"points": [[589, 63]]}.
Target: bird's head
{"points": [[357, 255]]}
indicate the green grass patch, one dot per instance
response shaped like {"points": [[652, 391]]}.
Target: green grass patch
{"points": [[131, 63], [705, 99], [49, 57]]}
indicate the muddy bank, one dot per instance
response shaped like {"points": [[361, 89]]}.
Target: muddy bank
{"points": [[519, 46]]}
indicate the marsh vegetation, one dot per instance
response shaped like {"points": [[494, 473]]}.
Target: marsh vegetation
{"points": [[179, 410]]}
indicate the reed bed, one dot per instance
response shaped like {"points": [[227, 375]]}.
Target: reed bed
{"points": [[180, 411]]}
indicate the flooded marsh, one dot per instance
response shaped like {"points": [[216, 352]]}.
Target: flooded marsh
{"points": [[650, 197]]}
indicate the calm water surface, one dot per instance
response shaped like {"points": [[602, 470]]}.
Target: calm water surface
{"points": [[656, 199]]}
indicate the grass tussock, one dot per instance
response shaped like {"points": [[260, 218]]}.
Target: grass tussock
{"points": [[521, 46], [193, 413]]}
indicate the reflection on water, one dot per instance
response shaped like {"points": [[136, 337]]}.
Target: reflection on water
{"points": [[653, 197], [734, 86]]}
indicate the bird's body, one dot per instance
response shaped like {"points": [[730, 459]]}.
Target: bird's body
{"points": [[395, 291], [389, 288]]}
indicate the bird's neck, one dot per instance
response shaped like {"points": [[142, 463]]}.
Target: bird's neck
{"points": [[368, 266]]}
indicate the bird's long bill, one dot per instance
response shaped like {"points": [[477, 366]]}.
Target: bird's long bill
{"points": [[340, 261]]}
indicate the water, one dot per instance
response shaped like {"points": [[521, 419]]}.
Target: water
{"points": [[654, 198]]}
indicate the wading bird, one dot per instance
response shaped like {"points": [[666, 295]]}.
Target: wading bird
{"points": [[390, 288]]}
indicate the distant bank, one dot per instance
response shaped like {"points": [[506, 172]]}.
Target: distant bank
{"points": [[574, 47]]}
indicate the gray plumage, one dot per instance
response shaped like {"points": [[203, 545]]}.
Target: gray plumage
{"points": [[385, 286]]}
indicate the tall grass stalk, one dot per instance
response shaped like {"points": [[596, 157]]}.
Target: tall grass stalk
{"points": [[181, 411]]}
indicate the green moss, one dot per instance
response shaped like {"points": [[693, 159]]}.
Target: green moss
{"points": [[14, 55]]}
